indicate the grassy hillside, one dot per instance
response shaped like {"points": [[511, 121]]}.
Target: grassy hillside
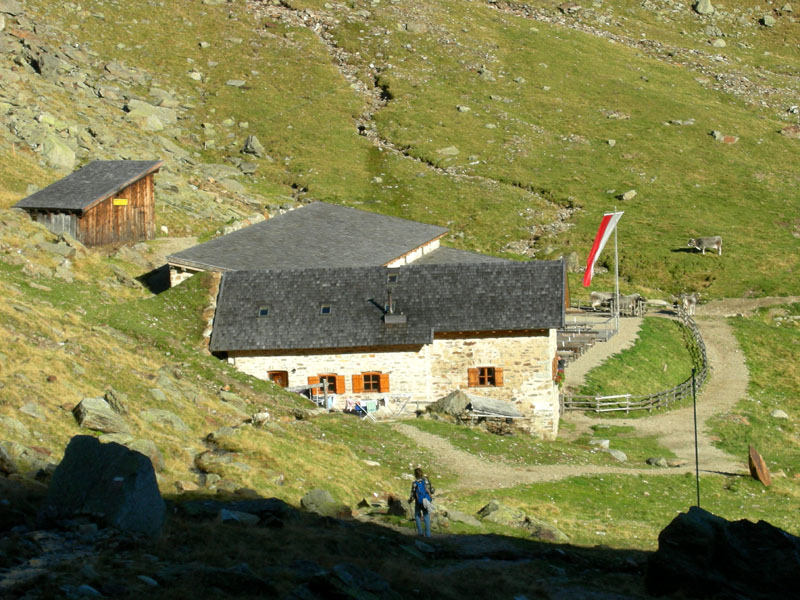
{"points": [[491, 119]]}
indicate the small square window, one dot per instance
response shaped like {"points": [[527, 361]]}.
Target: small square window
{"points": [[391, 278], [263, 311], [325, 309], [372, 382]]}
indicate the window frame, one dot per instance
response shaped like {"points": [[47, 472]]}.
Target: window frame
{"points": [[264, 310]]}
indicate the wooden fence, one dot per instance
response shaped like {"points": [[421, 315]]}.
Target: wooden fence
{"points": [[629, 402]]}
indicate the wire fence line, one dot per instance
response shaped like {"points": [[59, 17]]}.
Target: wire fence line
{"points": [[630, 402]]}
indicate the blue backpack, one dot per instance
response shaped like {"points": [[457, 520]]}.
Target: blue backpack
{"points": [[421, 492]]}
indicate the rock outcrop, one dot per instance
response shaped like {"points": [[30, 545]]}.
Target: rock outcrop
{"points": [[704, 556], [108, 483]]}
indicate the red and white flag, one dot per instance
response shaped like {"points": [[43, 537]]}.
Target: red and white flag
{"points": [[607, 226]]}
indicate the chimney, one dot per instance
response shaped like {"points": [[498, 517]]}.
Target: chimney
{"points": [[389, 318]]}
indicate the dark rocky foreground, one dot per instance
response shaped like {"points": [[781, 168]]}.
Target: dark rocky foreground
{"points": [[100, 529]]}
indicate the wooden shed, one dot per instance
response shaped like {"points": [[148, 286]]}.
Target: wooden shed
{"points": [[105, 202]]}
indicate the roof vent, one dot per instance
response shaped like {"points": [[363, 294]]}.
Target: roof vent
{"points": [[390, 319]]}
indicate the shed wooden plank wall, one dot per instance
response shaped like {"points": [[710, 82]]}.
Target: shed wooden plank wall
{"points": [[57, 222], [109, 224]]}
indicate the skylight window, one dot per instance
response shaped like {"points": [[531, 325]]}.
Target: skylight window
{"points": [[263, 311], [325, 309]]}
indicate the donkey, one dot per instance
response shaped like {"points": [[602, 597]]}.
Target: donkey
{"points": [[702, 243], [600, 298]]}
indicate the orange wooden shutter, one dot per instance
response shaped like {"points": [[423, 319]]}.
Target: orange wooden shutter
{"points": [[383, 386], [314, 380], [498, 376], [339, 384], [472, 377], [555, 367], [358, 384]]}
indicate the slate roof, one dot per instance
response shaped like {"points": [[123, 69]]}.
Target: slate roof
{"points": [[90, 185], [434, 298], [445, 255], [318, 234]]}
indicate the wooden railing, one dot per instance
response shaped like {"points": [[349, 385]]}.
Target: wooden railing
{"points": [[629, 402]]}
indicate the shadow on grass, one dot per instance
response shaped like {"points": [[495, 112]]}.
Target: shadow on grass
{"points": [[285, 552]]}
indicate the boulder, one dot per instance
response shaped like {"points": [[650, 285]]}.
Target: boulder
{"points": [[704, 556], [618, 455], [220, 463], [545, 532], [10, 7], [253, 146], [494, 512], [96, 414], [779, 414], [704, 7], [58, 154], [17, 458], [758, 468], [109, 482], [151, 451], [165, 418], [459, 517], [322, 503]]}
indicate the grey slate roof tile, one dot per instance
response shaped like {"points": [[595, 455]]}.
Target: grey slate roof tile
{"points": [[315, 235], [93, 183], [445, 255], [435, 297]]}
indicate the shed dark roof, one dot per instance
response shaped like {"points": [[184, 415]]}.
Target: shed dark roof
{"points": [[434, 298], [315, 235], [94, 183]]}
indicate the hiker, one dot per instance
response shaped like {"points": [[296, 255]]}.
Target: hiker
{"points": [[421, 496]]}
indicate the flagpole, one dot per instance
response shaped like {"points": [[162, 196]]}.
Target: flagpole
{"points": [[616, 280]]}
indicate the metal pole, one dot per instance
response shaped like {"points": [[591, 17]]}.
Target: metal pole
{"points": [[616, 279], [696, 454]]}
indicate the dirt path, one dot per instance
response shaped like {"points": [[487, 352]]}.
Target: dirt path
{"points": [[722, 391]]}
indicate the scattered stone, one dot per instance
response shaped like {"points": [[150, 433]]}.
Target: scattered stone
{"points": [[164, 418], [12, 424], [186, 486], [570, 8], [618, 455], [109, 482], [702, 556], [17, 458], [629, 195], [195, 75], [791, 131], [573, 262], [96, 414], [147, 580], [220, 463], [57, 154], [239, 517], [611, 143], [459, 517], [768, 21], [657, 462], [235, 401], [461, 108], [33, 410], [758, 468], [494, 512], [704, 7], [151, 451], [117, 401], [253, 146], [448, 151], [322, 503], [725, 139], [718, 43], [11, 7], [416, 27], [236, 83], [540, 530], [779, 414]]}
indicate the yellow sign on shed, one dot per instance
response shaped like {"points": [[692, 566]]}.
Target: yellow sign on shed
{"points": [[120, 202]]}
